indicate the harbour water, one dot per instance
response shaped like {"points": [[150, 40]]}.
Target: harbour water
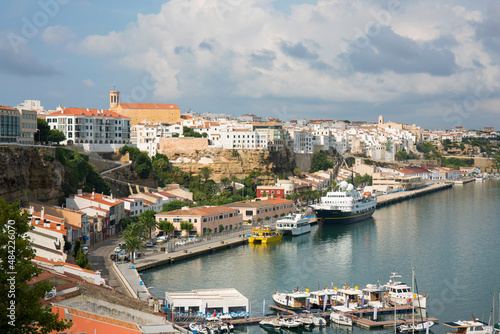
{"points": [[451, 238]]}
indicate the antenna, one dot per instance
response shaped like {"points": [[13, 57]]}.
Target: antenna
{"points": [[114, 87]]}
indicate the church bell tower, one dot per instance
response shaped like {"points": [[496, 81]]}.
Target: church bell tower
{"points": [[114, 99]]}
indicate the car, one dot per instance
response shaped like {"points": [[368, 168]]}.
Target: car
{"points": [[85, 250], [162, 237], [149, 244], [117, 249]]}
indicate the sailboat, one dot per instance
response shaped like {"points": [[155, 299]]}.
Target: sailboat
{"points": [[413, 327]]}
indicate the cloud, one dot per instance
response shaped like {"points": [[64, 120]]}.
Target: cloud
{"points": [[88, 83], [16, 58], [252, 50], [487, 30], [57, 35]]}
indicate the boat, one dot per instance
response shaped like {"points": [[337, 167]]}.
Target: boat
{"points": [[270, 322], [399, 293], [294, 224], [296, 300], [198, 328], [317, 298], [319, 321], [469, 327], [373, 295], [264, 235], [340, 319], [416, 327], [344, 206], [306, 321], [347, 296], [289, 323]]}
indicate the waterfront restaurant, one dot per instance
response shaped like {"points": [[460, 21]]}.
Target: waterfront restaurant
{"points": [[206, 302]]}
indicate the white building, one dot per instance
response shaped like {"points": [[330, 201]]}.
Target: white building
{"points": [[90, 126], [135, 206], [234, 138]]}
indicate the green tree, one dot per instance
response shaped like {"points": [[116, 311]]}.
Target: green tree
{"points": [[82, 260], [143, 165], [174, 205], [132, 237], [401, 155], [56, 136], [225, 183], [320, 161], [186, 226], [43, 130], [221, 228], [125, 222], [147, 219], [297, 171], [21, 311], [167, 227], [205, 173]]}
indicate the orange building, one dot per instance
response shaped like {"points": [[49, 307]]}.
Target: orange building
{"points": [[145, 112]]}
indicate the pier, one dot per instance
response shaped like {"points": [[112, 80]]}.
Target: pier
{"points": [[384, 200]]}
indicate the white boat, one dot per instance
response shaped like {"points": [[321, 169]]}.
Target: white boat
{"points": [[294, 224], [347, 296], [270, 322], [340, 319], [305, 321], [417, 327], [317, 298], [199, 328], [373, 295], [289, 323], [401, 294], [469, 327], [296, 300], [319, 321]]}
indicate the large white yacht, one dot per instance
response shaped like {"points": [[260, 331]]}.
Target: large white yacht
{"points": [[294, 224]]}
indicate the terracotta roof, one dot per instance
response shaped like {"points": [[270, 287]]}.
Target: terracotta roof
{"points": [[100, 321], [279, 201], [149, 106], [413, 170], [87, 113], [197, 211], [165, 194], [98, 198]]}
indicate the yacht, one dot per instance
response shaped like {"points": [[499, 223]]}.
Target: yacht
{"points": [[469, 327], [296, 300], [340, 318], [401, 294], [344, 206], [264, 235], [318, 297], [293, 224], [416, 327], [373, 295], [347, 296]]}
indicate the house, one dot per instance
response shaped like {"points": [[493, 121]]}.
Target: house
{"points": [[257, 210], [203, 218]]}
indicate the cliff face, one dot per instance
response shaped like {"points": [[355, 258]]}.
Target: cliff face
{"points": [[30, 174]]}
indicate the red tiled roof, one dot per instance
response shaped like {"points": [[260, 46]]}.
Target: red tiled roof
{"points": [[149, 106], [197, 211], [86, 112], [278, 201], [413, 170]]}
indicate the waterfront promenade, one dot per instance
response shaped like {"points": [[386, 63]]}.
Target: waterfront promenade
{"points": [[392, 198]]}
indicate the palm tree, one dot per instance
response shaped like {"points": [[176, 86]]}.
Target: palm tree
{"points": [[205, 173], [133, 242], [225, 182], [147, 219]]}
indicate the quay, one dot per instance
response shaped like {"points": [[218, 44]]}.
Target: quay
{"points": [[466, 180], [384, 200]]}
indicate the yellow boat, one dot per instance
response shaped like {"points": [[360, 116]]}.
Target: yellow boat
{"points": [[264, 235]]}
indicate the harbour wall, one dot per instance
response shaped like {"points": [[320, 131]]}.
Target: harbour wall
{"points": [[393, 198]]}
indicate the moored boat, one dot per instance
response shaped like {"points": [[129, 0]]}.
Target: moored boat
{"points": [[347, 296], [340, 319], [344, 206], [469, 327], [270, 322], [294, 224], [264, 235], [400, 293], [317, 298], [296, 300], [416, 327], [373, 295], [289, 323]]}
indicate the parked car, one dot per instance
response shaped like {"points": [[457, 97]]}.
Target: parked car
{"points": [[162, 237], [117, 249], [149, 244], [85, 250]]}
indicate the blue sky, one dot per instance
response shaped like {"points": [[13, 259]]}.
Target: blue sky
{"points": [[432, 63]]}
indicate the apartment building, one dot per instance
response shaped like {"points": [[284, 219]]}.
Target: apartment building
{"points": [[256, 211], [17, 126]]}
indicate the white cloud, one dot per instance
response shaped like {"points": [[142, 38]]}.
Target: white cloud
{"points": [[248, 49], [88, 83], [57, 35]]}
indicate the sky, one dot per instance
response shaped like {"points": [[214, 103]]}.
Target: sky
{"points": [[432, 63]]}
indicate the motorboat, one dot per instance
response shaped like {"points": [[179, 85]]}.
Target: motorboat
{"points": [[296, 300], [340, 318], [416, 327], [306, 321], [198, 328], [294, 224], [373, 296], [319, 321], [469, 327], [347, 296], [270, 322], [317, 298], [399, 293], [289, 323], [265, 235]]}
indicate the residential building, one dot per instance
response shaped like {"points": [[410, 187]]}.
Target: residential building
{"points": [[144, 112], [133, 206], [93, 200], [146, 136], [10, 124], [90, 126], [256, 211], [202, 218]]}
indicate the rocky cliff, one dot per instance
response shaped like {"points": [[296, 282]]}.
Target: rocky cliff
{"points": [[30, 174]]}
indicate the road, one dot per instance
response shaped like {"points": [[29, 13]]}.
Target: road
{"points": [[99, 259]]}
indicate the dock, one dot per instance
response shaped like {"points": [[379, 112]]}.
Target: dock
{"points": [[384, 200], [371, 324]]}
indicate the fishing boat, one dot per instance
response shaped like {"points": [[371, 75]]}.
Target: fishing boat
{"points": [[296, 300], [399, 293], [264, 235], [340, 319], [344, 206], [469, 327], [294, 224]]}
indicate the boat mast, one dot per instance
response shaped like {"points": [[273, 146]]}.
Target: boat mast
{"points": [[412, 301]]}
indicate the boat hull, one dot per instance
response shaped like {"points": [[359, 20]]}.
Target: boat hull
{"points": [[335, 217]]}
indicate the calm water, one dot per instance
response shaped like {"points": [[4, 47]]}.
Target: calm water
{"points": [[451, 238]]}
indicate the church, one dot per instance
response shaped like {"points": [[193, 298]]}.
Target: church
{"points": [[145, 112]]}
